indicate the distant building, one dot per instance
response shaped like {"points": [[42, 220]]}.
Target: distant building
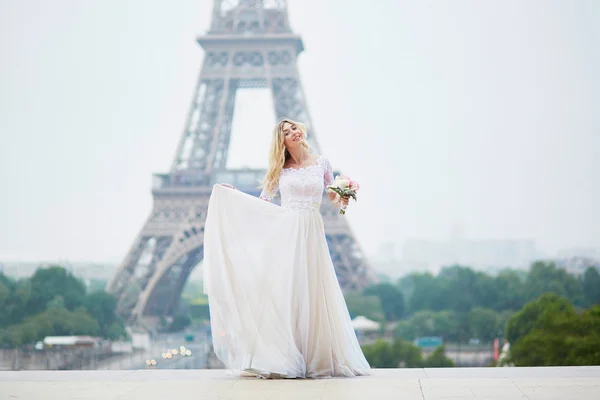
{"points": [[580, 252], [577, 265], [82, 270], [387, 261], [576, 260], [486, 254], [423, 255]]}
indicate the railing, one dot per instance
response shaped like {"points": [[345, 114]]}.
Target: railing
{"points": [[247, 179]]}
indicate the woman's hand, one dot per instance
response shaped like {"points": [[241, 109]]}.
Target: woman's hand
{"points": [[344, 200], [337, 200], [227, 185], [333, 197]]}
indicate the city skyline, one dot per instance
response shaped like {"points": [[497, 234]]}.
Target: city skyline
{"points": [[474, 115]]}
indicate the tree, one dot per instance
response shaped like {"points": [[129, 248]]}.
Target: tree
{"points": [[509, 287], [423, 291], [53, 302], [47, 283], [503, 318], [483, 323], [438, 359], [397, 354], [103, 308], [116, 330], [423, 323], [6, 292], [561, 339], [380, 355], [534, 314], [368, 306], [392, 300], [460, 288], [591, 286], [54, 321], [460, 285], [585, 345], [430, 323], [403, 354], [545, 277], [447, 325], [96, 285], [455, 288], [15, 296], [56, 303], [548, 332], [409, 355], [383, 278]]}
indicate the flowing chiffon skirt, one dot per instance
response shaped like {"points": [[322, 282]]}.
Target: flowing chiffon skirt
{"points": [[276, 306]]}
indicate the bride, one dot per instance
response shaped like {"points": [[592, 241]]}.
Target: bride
{"points": [[276, 307]]}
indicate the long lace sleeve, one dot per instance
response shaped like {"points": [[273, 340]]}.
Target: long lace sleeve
{"points": [[328, 174], [265, 195]]}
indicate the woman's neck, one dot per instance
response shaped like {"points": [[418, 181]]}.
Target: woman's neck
{"points": [[298, 155]]}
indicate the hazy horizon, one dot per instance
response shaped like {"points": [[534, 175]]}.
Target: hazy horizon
{"points": [[477, 117]]}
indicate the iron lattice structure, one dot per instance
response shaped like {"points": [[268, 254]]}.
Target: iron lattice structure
{"points": [[249, 45]]}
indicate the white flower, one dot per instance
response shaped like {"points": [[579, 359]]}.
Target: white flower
{"points": [[342, 183]]}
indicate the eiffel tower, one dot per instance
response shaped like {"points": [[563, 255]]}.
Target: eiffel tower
{"points": [[249, 45]]}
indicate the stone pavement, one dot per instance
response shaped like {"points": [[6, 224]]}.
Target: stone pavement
{"points": [[542, 383]]}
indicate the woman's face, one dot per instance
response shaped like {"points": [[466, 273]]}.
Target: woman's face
{"points": [[292, 136]]}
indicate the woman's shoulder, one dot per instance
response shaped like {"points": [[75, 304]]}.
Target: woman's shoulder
{"points": [[321, 160]]}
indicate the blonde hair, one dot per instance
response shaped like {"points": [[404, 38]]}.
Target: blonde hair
{"points": [[278, 154]]}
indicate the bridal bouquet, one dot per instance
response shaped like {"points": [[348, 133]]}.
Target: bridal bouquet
{"points": [[344, 186]]}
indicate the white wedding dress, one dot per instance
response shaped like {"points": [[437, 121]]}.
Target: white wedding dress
{"points": [[276, 307]]}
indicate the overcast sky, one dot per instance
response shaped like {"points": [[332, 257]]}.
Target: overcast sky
{"points": [[482, 115]]}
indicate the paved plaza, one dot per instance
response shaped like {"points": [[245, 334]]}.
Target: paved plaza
{"points": [[565, 383]]}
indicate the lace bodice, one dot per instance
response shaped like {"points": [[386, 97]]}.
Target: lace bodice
{"points": [[302, 188]]}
